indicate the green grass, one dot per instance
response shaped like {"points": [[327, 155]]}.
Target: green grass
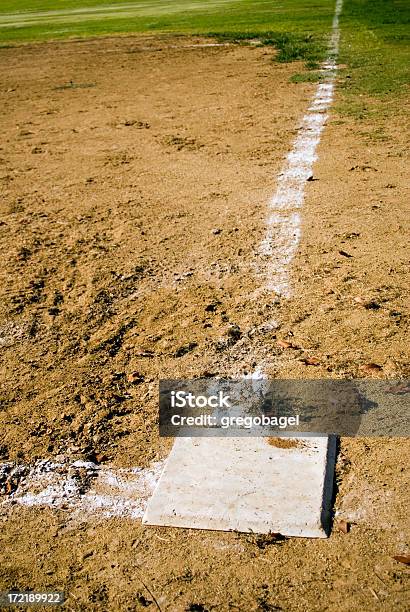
{"points": [[307, 77], [375, 47], [294, 20], [291, 45]]}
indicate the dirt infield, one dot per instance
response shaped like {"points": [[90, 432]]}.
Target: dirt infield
{"points": [[142, 192], [135, 175]]}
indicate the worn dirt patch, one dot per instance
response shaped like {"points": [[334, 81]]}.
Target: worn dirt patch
{"points": [[131, 216], [285, 442], [128, 210]]}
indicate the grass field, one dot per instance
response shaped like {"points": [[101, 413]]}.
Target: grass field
{"points": [[375, 47], [23, 20]]}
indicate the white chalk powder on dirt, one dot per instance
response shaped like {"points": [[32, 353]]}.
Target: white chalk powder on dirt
{"points": [[83, 488]]}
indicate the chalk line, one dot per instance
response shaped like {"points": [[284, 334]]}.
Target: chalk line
{"points": [[283, 229], [83, 488]]}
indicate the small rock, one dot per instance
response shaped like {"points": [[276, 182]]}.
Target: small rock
{"points": [[234, 333], [372, 305], [100, 457], [135, 378], [284, 344], [371, 368], [343, 526], [312, 361]]}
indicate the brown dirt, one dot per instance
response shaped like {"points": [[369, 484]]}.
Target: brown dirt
{"points": [[284, 442], [135, 178]]}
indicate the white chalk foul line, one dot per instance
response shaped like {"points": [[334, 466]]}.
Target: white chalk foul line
{"points": [[284, 221], [85, 489]]}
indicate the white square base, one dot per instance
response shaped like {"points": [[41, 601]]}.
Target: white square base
{"points": [[246, 484]]}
